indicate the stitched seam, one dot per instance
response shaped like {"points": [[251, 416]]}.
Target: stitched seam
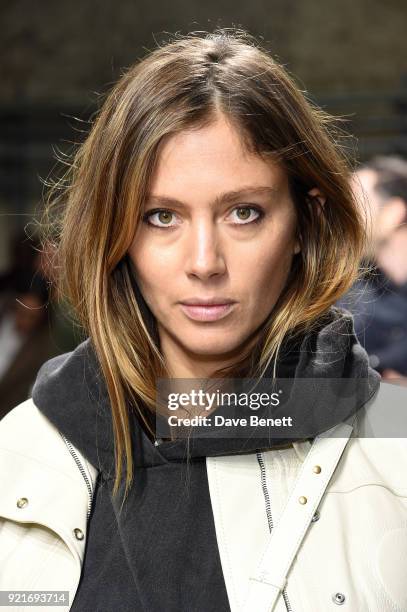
{"points": [[370, 484]]}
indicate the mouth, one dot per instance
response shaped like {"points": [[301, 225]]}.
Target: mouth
{"points": [[207, 312]]}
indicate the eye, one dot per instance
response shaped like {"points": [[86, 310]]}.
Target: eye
{"points": [[164, 216], [246, 214]]}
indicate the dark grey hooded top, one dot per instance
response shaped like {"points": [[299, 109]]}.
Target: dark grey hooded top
{"points": [[159, 553]]}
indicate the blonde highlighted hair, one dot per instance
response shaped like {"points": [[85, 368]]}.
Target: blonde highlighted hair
{"points": [[98, 204]]}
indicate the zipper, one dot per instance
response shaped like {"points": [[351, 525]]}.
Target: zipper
{"points": [[83, 472], [260, 460]]}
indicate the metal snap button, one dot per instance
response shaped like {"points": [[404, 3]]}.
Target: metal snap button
{"points": [[78, 533], [302, 499], [316, 516], [22, 502], [338, 598], [316, 469]]}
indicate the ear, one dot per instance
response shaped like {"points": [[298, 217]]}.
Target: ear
{"points": [[313, 193], [297, 247], [316, 193]]}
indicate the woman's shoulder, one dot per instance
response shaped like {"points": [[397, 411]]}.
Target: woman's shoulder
{"points": [[25, 429], [377, 450], [27, 433], [44, 500], [385, 414]]}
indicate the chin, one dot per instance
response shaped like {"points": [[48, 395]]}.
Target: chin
{"points": [[215, 347]]}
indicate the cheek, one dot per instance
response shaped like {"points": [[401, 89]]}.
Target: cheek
{"points": [[151, 270], [266, 270]]}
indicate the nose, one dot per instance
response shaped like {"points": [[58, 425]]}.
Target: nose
{"points": [[205, 251]]}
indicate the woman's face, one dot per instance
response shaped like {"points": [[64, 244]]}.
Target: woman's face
{"points": [[226, 231]]}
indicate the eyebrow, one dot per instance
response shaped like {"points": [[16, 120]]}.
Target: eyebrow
{"points": [[227, 196]]}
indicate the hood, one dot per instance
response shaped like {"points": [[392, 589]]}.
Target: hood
{"points": [[70, 391]]}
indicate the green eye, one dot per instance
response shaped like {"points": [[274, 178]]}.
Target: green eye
{"points": [[164, 216], [245, 211], [164, 213], [244, 214]]}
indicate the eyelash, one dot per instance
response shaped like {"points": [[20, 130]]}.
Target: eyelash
{"points": [[158, 210]]}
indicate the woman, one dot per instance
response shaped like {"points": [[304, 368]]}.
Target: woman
{"points": [[208, 228]]}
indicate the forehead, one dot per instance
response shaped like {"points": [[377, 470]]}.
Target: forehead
{"points": [[212, 158]]}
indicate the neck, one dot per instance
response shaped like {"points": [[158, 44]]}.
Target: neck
{"points": [[182, 363]]}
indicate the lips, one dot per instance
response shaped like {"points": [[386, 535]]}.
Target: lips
{"points": [[207, 312], [213, 301]]}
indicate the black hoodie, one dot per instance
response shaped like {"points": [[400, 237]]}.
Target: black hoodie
{"points": [[159, 552]]}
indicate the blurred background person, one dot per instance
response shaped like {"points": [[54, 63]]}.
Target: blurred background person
{"points": [[379, 300], [25, 339], [33, 327]]}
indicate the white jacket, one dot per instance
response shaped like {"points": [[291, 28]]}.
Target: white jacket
{"points": [[338, 544]]}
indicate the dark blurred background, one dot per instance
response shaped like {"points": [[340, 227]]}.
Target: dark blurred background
{"points": [[59, 57]]}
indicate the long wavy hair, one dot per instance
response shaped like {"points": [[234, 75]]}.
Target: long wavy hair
{"points": [[92, 212]]}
